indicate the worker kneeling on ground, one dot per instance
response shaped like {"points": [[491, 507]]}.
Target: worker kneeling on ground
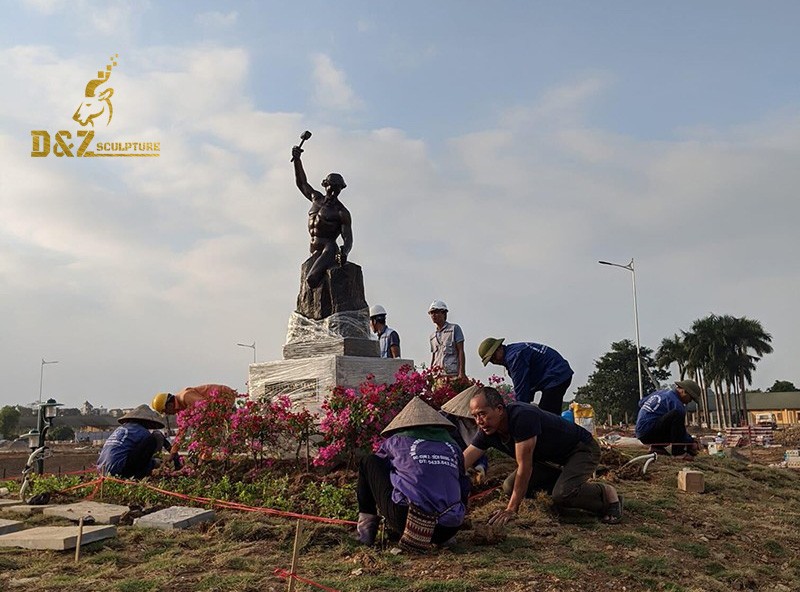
{"points": [[457, 411], [662, 420], [130, 450], [416, 481], [532, 436]]}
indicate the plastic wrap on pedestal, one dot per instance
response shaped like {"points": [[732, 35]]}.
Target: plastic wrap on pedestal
{"points": [[352, 323], [307, 382]]}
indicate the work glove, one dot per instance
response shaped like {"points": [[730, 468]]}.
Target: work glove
{"points": [[477, 475]]}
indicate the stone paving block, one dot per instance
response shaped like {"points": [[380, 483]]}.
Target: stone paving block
{"points": [[102, 513], [175, 518], [691, 481], [25, 509], [4, 503], [7, 526], [57, 538]]}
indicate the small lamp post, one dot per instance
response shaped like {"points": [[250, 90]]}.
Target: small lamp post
{"points": [[47, 412]]}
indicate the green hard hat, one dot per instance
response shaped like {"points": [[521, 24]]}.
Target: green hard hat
{"points": [[487, 348]]}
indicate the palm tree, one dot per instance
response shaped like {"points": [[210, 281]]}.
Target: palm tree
{"points": [[722, 351], [746, 335], [673, 350]]}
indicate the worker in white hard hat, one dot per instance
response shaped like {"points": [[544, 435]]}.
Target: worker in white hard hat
{"points": [[447, 342], [388, 338]]}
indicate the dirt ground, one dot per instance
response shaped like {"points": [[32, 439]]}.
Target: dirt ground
{"points": [[65, 459]]}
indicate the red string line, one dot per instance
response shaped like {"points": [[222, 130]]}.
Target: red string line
{"points": [[213, 502], [285, 574]]}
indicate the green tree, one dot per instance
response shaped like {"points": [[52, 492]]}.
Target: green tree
{"points": [[613, 388], [9, 420], [673, 350], [782, 386], [61, 432], [722, 353]]}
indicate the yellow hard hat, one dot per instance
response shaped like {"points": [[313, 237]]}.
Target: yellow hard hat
{"points": [[160, 402]]}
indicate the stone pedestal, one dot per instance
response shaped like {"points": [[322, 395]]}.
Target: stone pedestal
{"points": [[308, 381], [341, 290]]}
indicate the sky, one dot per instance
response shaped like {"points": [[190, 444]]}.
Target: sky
{"points": [[493, 153]]}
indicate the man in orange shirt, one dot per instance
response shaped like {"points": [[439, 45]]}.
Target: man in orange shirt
{"points": [[170, 404]]}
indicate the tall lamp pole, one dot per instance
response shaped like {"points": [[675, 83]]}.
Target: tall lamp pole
{"points": [[631, 268], [41, 377], [251, 346]]}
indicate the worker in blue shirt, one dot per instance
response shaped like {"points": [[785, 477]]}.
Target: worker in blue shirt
{"points": [[532, 367], [662, 420]]}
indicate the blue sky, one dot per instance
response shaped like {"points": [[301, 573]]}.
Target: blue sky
{"points": [[493, 153]]}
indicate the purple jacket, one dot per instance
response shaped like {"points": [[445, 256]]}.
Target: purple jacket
{"points": [[428, 474]]}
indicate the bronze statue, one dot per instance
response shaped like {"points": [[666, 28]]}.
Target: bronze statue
{"points": [[327, 219]]}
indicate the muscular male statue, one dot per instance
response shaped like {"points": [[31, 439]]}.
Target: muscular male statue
{"points": [[327, 219]]}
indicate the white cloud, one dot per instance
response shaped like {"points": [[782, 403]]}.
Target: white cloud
{"points": [[217, 19], [142, 276], [331, 90], [45, 7]]}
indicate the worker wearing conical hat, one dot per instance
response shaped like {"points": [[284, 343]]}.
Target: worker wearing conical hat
{"points": [[416, 480], [130, 450]]}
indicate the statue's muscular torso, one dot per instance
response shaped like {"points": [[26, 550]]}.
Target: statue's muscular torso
{"points": [[324, 221]]}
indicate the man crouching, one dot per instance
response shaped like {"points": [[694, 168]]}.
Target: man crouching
{"points": [[416, 481]]}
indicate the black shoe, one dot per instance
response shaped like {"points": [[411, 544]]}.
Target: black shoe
{"points": [[660, 450]]}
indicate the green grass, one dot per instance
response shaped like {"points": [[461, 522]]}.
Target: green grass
{"points": [[135, 585], [696, 550]]}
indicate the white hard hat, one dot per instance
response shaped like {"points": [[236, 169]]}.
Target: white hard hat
{"points": [[375, 310], [437, 305]]}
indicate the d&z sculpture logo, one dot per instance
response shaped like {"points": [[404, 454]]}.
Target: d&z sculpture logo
{"points": [[96, 103]]}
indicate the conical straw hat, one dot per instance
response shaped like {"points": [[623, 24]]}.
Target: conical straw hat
{"points": [[145, 416], [417, 413], [459, 405]]}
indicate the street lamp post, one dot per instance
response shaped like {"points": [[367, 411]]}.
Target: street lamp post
{"points": [[251, 346], [41, 377], [631, 268], [44, 421]]}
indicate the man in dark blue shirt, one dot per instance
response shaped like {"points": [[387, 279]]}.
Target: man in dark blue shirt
{"points": [[530, 435], [662, 419], [532, 367], [129, 452]]}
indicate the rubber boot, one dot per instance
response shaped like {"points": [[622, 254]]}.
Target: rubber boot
{"points": [[367, 528]]}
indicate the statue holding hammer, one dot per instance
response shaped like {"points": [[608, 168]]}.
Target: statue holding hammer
{"points": [[327, 219]]}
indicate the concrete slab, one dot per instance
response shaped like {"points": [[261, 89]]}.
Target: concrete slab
{"points": [[102, 513], [4, 503], [7, 526], [175, 518], [25, 510], [57, 538]]}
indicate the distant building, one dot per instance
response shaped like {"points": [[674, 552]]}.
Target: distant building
{"points": [[785, 407], [91, 428]]}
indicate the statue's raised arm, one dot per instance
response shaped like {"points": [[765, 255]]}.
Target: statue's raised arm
{"points": [[300, 175]]}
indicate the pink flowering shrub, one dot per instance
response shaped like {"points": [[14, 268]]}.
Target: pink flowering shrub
{"points": [[208, 424], [505, 389], [354, 418], [258, 429]]}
